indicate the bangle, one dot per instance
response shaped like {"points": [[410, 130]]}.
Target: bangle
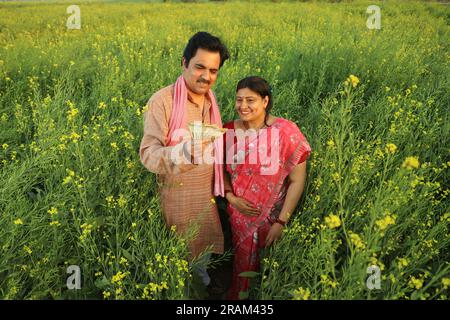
{"points": [[283, 223], [276, 220]]}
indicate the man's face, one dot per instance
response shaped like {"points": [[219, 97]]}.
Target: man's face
{"points": [[202, 71]]}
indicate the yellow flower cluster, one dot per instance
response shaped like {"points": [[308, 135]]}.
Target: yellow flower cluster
{"points": [[415, 283], [72, 112], [114, 146], [124, 262], [446, 283], [121, 201], [402, 262], [385, 222], [353, 80], [324, 279], [391, 148], [356, 240], [411, 163], [330, 144], [27, 249], [118, 277], [86, 230], [69, 178], [52, 211], [110, 201], [153, 288], [301, 294], [333, 221]]}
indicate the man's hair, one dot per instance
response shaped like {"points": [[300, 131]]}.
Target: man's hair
{"points": [[207, 42]]}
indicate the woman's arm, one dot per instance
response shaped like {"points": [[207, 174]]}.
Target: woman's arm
{"points": [[297, 179]]}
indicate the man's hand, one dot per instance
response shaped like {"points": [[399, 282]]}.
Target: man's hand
{"points": [[242, 205], [195, 149], [275, 232]]}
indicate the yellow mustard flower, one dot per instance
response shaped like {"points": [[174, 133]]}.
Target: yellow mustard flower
{"points": [[27, 249], [353, 80], [391, 148], [52, 211], [118, 277], [402, 262], [330, 143], [121, 201], [415, 283], [356, 240], [385, 222], [411, 163], [446, 283], [333, 221], [72, 113], [301, 294]]}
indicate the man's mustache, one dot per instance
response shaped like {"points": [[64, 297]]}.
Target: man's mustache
{"points": [[203, 81]]}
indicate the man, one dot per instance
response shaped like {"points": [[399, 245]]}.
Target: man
{"points": [[188, 186]]}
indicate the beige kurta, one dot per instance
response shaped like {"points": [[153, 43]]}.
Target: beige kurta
{"points": [[186, 189]]}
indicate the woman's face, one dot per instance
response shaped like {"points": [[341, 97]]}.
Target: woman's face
{"points": [[250, 105]]}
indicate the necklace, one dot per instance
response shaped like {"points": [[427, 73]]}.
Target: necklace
{"points": [[257, 129]]}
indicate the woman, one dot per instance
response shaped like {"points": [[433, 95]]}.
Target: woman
{"points": [[261, 194]]}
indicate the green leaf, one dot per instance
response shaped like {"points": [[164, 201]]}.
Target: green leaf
{"points": [[99, 221], [102, 283], [127, 255]]}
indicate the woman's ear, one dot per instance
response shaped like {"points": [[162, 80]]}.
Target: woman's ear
{"points": [[183, 62], [266, 101]]}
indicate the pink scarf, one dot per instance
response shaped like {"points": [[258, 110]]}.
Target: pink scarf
{"points": [[178, 120]]}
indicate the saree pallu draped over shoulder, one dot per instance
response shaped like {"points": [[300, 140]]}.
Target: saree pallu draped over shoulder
{"points": [[260, 176]]}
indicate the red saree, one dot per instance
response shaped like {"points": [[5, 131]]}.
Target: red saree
{"points": [[261, 182]]}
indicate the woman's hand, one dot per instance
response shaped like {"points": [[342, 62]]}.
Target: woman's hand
{"points": [[275, 232], [242, 205]]}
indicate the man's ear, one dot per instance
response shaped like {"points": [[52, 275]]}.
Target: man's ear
{"points": [[183, 62]]}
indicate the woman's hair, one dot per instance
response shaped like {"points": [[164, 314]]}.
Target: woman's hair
{"points": [[261, 87]]}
